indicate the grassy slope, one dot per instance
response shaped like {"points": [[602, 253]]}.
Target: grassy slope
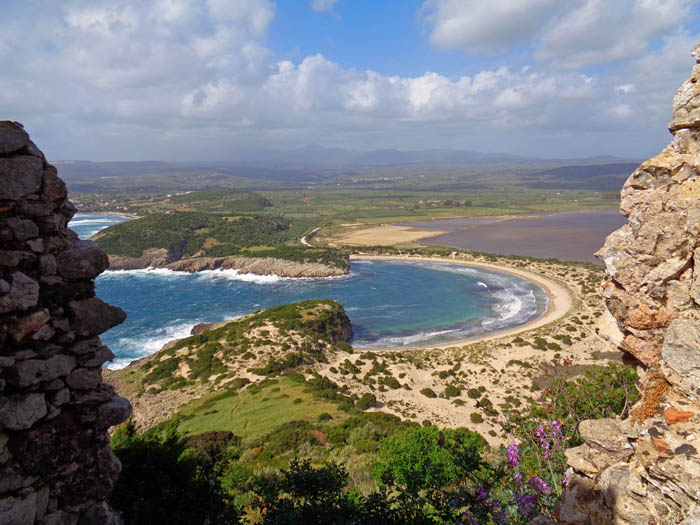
{"points": [[256, 410], [222, 361]]}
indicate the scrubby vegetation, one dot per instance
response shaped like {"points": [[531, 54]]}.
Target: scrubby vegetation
{"points": [[224, 459]]}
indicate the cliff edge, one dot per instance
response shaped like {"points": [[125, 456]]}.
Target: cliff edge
{"points": [[646, 469], [56, 466]]}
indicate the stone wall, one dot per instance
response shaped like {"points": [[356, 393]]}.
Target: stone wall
{"points": [[647, 469], [55, 463]]}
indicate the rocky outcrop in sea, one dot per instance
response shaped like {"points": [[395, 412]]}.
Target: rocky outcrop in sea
{"points": [[56, 466], [158, 258], [646, 469]]}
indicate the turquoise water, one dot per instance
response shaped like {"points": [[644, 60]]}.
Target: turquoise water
{"points": [[390, 303]]}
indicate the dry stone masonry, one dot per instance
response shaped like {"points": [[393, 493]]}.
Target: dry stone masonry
{"points": [[55, 463], [646, 469]]}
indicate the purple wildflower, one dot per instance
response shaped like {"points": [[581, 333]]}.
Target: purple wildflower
{"points": [[525, 503], [513, 455], [518, 478], [555, 432], [541, 434], [468, 518], [539, 485]]}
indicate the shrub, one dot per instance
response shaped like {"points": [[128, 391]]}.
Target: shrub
{"points": [[476, 418], [452, 391], [427, 457], [366, 401], [428, 392]]}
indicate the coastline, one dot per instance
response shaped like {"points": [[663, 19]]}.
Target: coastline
{"points": [[559, 302], [117, 213]]}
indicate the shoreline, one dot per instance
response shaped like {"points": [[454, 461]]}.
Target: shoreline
{"points": [[117, 213], [559, 302]]}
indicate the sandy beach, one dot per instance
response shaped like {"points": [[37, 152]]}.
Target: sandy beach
{"points": [[506, 368], [559, 303]]}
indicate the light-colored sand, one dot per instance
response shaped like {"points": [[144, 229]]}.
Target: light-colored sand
{"points": [[502, 366], [560, 301], [384, 235]]}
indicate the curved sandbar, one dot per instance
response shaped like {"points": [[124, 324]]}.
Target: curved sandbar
{"points": [[558, 305]]}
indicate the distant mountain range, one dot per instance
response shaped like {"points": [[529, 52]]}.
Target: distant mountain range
{"points": [[320, 157]]}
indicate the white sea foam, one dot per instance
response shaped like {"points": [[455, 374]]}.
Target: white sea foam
{"points": [[77, 222], [236, 275], [482, 284], [149, 342], [396, 341], [142, 272]]}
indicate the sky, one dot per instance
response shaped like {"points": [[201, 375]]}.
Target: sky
{"points": [[188, 80]]}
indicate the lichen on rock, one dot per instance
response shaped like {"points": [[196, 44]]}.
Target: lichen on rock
{"points": [[649, 472], [55, 462]]}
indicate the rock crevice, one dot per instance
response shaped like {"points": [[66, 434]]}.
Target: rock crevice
{"points": [[55, 462]]}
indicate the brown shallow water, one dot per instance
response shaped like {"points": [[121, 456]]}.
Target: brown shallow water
{"points": [[568, 235]]}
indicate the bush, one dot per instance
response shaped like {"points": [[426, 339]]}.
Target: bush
{"points": [[366, 401], [366, 446], [476, 418], [428, 392], [452, 391], [427, 457]]}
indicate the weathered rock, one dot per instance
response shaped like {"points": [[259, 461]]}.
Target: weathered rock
{"points": [[649, 472], [673, 415], [12, 137], [19, 176], [93, 316], [23, 326], [53, 188], [84, 260], [21, 411], [84, 379], [18, 511], [158, 258], [681, 356], [22, 229], [113, 412], [32, 371], [55, 465], [23, 294]]}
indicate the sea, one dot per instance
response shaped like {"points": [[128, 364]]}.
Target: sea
{"points": [[391, 304]]}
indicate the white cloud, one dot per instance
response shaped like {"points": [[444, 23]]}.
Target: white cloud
{"points": [[600, 31], [185, 79], [323, 5], [484, 26], [572, 34]]}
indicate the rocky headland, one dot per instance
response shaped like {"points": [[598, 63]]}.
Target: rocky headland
{"points": [[221, 357], [158, 258], [646, 469], [56, 466]]}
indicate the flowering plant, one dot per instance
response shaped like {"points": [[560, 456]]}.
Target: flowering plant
{"points": [[531, 484]]}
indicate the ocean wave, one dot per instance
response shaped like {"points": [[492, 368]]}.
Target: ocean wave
{"points": [[236, 275], [218, 274], [142, 272], [516, 305], [482, 284], [405, 340], [78, 222], [148, 342]]}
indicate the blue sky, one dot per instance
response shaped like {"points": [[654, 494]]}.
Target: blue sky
{"points": [[203, 79]]}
